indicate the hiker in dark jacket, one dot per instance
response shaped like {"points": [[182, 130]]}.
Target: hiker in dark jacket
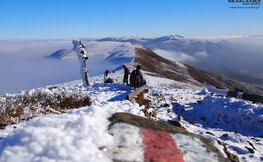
{"points": [[139, 77], [126, 74]]}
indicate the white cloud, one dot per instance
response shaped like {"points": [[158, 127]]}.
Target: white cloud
{"points": [[175, 56], [244, 71], [201, 54], [32, 48], [260, 76]]}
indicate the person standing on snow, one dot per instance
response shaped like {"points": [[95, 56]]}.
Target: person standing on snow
{"points": [[126, 74]]}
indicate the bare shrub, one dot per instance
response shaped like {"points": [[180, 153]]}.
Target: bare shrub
{"points": [[25, 106]]}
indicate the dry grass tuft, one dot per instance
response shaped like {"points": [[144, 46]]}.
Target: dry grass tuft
{"points": [[22, 107]]}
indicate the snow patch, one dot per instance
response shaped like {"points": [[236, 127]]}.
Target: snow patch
{"points": [[75, 136]]}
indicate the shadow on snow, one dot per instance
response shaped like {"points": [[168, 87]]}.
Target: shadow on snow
{"points": [[223, 114]]}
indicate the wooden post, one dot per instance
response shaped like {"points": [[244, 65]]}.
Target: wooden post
{"points": [[86, 73], [80, 49]]}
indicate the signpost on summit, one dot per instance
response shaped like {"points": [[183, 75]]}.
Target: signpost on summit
{"points": [[80, 49]]}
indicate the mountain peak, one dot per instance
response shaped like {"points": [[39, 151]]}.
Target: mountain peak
{"points": [[170, 37], [176, 36]]}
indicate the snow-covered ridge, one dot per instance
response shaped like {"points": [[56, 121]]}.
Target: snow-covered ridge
{"points": [[103, 50], [101, 55]]}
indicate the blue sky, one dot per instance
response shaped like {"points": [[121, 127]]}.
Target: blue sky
{"points": [[38, 19]]}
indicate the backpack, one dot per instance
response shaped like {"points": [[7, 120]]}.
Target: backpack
{"points": [[133, 79]]}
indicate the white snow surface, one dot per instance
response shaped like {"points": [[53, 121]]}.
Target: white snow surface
{"points": [[128, 143], [188, 146], [69, 137], [82, 135]]}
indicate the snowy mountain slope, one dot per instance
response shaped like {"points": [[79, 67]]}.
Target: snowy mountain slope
{"points": [[175, 93], [102, 55], [78, 134], [239, 54], [114, 54], [102, 50], [64, 54]]}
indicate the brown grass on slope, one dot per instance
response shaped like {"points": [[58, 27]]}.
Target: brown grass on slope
{"points": [[165, 68]]}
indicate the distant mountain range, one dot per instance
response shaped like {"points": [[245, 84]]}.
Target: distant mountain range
{"points": [[233, 53]]}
